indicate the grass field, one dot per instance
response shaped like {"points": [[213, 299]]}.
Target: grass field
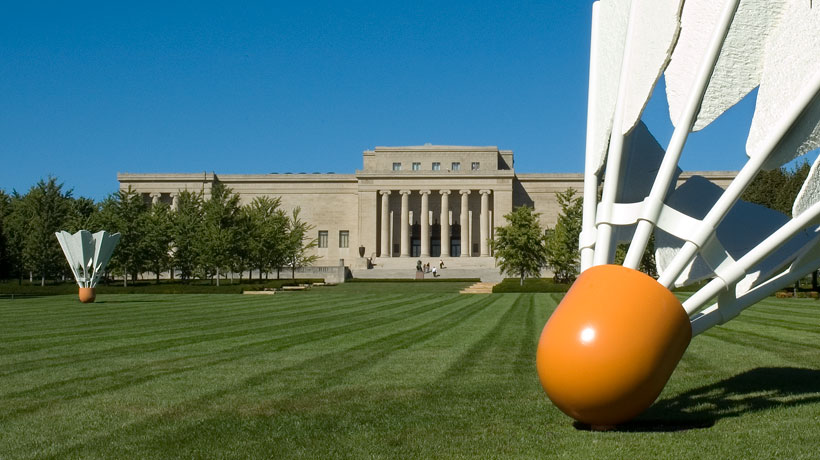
{"points": [[374, 371]]}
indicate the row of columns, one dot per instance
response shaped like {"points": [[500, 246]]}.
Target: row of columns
{"points": [[155, 197], [404, 249]]}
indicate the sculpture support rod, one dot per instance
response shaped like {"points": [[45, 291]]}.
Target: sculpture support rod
{"points": [[653, 204], [735, 272], [715, 315], [727, 199], [604, 249], [587, 238]]}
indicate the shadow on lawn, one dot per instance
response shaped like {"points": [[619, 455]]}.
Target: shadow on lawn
{"points": [[752, 391]]}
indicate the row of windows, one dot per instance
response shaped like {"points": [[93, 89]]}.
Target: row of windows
{"points": [[344, 238], [436, 166]]}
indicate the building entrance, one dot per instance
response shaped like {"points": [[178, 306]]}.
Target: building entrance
{"points": [[455, 241], [435, 240], [415, 241]]}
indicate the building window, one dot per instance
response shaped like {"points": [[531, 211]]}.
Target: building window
{"points": [[456, 166], [416, 166], [475, 166], [322, 238], [396, 166], [344, 238], [436, 166]]}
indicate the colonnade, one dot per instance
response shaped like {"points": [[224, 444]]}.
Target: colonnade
{"points": [[155, 197], [405, 224]]}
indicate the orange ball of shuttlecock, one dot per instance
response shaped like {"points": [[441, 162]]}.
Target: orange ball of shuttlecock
{"points": [[611, 345]]}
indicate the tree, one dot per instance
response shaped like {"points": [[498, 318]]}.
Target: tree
{"points": [[5, 212], [519, 247], [125, 212], [777, 189], [220, 227], [82, 215], [44, 209], [14, 231], [298, 243], [157, 239], [562, 241], [267, 224], [186, 231]]}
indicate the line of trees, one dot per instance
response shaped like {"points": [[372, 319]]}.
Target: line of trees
{"points": [[206, 239]]}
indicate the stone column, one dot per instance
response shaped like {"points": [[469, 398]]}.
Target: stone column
{"points": [[175, 202], [445, 223], [424, 221], [405, 223], [465, 223], [155, 198], [385, 234], [484, 222]]}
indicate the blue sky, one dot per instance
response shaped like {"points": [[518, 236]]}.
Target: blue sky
{"points": [[88, 89]]}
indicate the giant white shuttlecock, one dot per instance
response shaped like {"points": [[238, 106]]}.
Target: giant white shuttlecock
{"points": [[87, 255], [611, 345]]}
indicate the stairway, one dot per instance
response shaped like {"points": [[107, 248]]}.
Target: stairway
{"points": [[479, 288]]}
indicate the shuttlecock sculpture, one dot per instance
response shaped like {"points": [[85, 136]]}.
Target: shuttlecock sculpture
{"points": [[87, 255], [613, 342]]}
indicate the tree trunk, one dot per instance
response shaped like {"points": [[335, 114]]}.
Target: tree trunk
{"points": [[42, 279], [217, 276], [125, 278], [521, 282]]}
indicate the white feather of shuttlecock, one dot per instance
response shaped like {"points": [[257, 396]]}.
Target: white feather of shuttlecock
{"points": [[738, 69], [791, 65], [631, 45], [725, 49], [88, 254]]}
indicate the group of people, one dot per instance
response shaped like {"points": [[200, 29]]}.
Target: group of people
{"points": [[426, 267]]}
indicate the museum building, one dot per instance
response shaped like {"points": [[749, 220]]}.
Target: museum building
{"points": [[429, 201]]}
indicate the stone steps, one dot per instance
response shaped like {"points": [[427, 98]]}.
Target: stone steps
{"points": [[479, 288], [484, 274]]}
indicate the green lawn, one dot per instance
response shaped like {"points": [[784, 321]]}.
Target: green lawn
{"points": [[374, 370]]}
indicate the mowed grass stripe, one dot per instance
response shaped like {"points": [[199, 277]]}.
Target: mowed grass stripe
{"points": [[162, 344], [75, 316], [217, 318], [134, 374], [438, 376], [155, 323], [461, 309], [335, 374]]}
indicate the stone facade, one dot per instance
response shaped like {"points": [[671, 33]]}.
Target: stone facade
{"points": [[380, 207]]}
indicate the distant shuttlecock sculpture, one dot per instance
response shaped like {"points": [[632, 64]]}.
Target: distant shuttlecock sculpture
{"points": [[611, 345], [87, 255]]}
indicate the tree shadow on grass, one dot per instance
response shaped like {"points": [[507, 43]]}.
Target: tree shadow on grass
{"points": [[751, 391]]}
